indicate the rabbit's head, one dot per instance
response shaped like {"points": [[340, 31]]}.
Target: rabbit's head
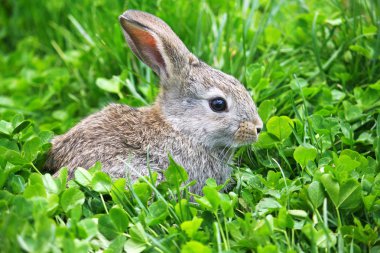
{"points": [[209, 105]]}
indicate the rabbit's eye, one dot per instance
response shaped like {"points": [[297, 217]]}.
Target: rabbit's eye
{"points": [[218, 104]]}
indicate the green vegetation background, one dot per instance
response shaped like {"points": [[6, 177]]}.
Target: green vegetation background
{"points": [[310, 184]]}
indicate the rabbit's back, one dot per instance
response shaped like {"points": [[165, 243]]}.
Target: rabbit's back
{"points": [[112, 136]]}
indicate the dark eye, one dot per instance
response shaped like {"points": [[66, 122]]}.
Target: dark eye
{"points": [[218, 104]]}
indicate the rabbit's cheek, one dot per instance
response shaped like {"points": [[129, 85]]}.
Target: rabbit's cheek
{"points": [[246, 133]]}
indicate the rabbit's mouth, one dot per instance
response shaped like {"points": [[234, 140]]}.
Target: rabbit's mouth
{"points": [[246, 134]]}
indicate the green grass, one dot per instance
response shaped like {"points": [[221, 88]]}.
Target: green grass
{"points": [[311, 183]]}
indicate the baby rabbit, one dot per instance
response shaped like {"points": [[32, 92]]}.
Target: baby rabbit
{"points": [[200, 116]]}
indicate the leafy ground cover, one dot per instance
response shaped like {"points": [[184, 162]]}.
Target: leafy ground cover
{"points": [[311, 183]]}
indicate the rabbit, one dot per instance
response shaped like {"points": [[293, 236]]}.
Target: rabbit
{"points": [[200, 116]]}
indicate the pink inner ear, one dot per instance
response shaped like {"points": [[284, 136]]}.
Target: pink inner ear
{"points": [[147, 48]]}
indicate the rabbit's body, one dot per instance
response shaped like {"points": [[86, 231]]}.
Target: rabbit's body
{"points": [[199, 117], [122, 146]]}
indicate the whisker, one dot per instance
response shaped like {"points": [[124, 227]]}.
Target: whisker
{"points": [[227, 153], [249, 154]]}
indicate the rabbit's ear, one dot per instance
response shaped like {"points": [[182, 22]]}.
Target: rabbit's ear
{"points": [[154, 43]]}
